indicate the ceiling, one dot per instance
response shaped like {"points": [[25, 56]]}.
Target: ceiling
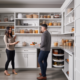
{"points": [[31, 1]]}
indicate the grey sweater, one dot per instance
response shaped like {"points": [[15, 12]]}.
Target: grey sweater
{"points": [[45, 41]]}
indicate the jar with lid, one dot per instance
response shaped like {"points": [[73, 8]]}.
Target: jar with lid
{"points": [[50, 23], [55, 43], [48, 16], [44, 22], [70, 42], [56, 16], [59, 23], [55, 24], [55, 51], [72, 30], [52, 16], [11, 18], [45, 16], [41, 16], [5, 18]]}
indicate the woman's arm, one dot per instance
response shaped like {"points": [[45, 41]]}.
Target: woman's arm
{"points": [[6, 42]]}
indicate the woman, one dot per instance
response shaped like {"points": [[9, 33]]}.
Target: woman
{"points": [[10, 43]]}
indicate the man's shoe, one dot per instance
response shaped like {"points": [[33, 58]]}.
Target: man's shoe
{"points": [[41, 78], [40, 74]]}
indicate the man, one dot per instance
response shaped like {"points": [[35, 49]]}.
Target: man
{"points": [[44, 51]]}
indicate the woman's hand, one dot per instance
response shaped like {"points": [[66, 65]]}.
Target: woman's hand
{"points": [[16, 42], [39, 45], [14, 37]]}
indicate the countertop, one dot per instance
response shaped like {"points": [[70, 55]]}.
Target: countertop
{"points": [[67, 49]]}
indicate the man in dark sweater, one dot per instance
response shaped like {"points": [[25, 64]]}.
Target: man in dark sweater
{"points": [[44, 51]]}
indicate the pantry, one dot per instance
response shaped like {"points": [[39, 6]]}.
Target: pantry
{"points": [[63, 25]]}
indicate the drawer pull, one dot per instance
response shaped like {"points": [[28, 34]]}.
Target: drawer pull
{"points": [[25, 50]]}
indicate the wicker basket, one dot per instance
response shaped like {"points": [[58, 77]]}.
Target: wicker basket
{"points": [[29, 16], [35, 16], [70, 9]]}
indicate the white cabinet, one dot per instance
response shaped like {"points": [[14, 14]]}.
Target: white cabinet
{"points": [[68, 66], [3, 59], [71, 68], [77, 41], [31, 60], [77, 3], [26, 58], [21, 60], [49, 61], [77, 12]]}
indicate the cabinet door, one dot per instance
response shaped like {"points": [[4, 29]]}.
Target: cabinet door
{"points": [[49, 60], [71, 67], [32, 60], [3, 60], [21, 60], [77, 3], [77, 41]]}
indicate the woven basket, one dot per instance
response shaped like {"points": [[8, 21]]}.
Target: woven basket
{"points": [[35, 16], [29, 16]]}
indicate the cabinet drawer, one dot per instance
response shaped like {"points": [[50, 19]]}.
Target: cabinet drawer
{"points": [[77, 13], [25, 50], [2, 49]]}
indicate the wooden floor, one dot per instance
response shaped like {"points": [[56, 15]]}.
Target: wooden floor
{"points": [[33, 74]]}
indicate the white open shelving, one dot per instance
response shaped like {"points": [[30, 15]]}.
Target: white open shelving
{"points": [[58, 54], [71, 12], [58, 60], [6, 22], [58, 66], [70, 24], [68, 19], [36, 20]]}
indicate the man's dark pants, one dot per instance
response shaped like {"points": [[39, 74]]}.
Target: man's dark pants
{"points": [[43, 55]]}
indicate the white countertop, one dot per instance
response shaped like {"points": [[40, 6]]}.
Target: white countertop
{"points": [[67, 49]]}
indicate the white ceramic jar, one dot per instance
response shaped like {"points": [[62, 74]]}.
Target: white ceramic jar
{"points": [[19, 15]]}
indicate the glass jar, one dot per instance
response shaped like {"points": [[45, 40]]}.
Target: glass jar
{"points": [[5, 18], [11, 18]]}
